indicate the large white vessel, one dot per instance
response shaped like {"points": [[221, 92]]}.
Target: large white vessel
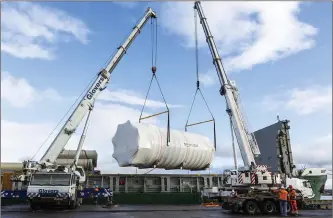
{"points": [[317, 177]]}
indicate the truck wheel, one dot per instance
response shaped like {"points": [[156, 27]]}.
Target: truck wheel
{"points": [[250, 207], [268, 207]]}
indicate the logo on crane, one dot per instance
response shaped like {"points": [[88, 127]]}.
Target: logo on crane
{"points": [[96, 87]]}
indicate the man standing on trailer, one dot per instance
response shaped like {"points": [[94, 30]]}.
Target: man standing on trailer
{"points": [[293, 202]]}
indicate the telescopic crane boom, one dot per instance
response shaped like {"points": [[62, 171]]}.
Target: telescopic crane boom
{"points": [[246, 141], [87, 102], [56, 184]]}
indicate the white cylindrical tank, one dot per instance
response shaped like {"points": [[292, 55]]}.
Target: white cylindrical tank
{"points": [[145, 146], [85, 154], [11, 166], [85, 163]]}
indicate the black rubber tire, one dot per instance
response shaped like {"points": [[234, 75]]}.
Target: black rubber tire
{"points": [[268, 207], [250, 207]]}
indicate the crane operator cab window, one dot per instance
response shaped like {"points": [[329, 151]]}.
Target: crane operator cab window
{"points": [[50, 180], [80, 170]]}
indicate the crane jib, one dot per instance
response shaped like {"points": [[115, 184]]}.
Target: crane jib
{"points": [[96, 87]]}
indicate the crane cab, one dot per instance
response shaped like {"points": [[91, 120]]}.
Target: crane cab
{"points": [[79, 171], [258, 176]]}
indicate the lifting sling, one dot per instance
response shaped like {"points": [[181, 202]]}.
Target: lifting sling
{"points": [[198, 87], [153, 69]]}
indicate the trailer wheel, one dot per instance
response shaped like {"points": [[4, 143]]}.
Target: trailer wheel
{"points": [[268, 207], [250, 207]]}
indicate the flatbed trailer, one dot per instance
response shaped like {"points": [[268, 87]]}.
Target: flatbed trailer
{"points": [[316, 204], [253, 203], [267, 203]]}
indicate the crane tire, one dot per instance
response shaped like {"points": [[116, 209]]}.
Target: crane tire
{"points": [[250, 207], [268, 207]]}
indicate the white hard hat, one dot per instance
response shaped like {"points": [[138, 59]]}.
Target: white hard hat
{"points": [[282, 186]]}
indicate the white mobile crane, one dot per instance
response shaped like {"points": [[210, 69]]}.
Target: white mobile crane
{"points": [[253, 182], [246, 141], [56, 184]]}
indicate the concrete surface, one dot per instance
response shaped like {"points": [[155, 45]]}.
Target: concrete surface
{"points": [[144, 211]]}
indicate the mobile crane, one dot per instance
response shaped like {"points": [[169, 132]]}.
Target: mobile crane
{"points": [[56, 184], [246, 141], [253, 182]]}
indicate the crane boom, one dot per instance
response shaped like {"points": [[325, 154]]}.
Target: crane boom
{"points": [[87, 101], [246, 141]]}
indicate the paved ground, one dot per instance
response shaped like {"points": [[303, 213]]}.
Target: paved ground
{"points": [[144, 211]]}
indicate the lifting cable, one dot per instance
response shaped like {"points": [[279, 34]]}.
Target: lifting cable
{"points": [[198, 86], [153, 69]]}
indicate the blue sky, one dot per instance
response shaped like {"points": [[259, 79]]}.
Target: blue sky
{"points": [[279, 54]]}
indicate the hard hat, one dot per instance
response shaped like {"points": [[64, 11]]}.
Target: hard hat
{"points": [[282, 187]]}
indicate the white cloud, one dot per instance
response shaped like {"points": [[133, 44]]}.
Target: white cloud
{"points": [[104, 121], [19, 93], [314, 153], [303, 101], [131, 98], [246, 33], [32, 31], [208, 79]]}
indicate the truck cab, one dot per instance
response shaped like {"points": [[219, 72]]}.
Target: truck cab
{"points": [[52, 188], [301, 185]]}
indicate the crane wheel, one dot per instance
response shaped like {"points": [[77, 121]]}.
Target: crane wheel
{"points": [[250, 207], [268, 207]]}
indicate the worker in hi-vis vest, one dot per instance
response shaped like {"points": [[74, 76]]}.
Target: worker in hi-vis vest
{"points": [[283, 200], [96, 192], [292, 199]]}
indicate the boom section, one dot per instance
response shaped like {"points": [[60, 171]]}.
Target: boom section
{"points": [[246, 141], [88, 100]]}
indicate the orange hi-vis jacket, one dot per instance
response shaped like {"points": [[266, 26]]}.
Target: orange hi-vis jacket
{"points": [[283, 195], [292, 195]]}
